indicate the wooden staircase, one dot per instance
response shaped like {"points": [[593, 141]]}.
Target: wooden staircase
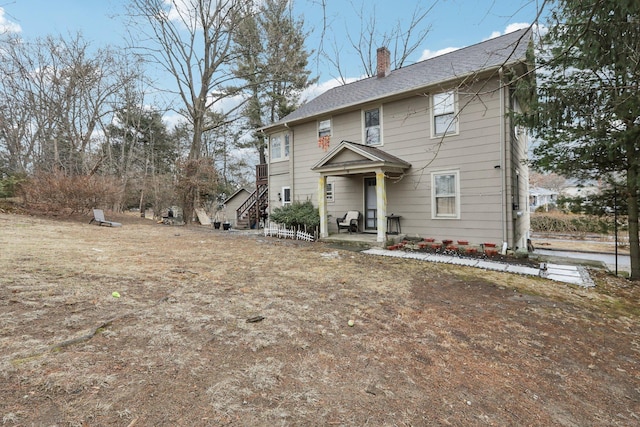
{"points": [[248, 214]]}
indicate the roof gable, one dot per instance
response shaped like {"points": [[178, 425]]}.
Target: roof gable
{"points": [[490, 54], [242, 191], [349, 157]]}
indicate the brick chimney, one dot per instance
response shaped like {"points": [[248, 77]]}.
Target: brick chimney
{"points": [[384, 62]]}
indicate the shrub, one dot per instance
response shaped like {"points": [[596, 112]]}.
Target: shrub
{"points": [[9, 185], [571, 224], [59, 193], [302, 215]]}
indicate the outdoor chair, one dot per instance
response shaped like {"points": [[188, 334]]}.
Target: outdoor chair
{"points": [[349, 222], [98, 217]]}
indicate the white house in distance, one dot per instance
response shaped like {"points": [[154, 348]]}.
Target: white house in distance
{"points": [[539, 197], [431, 143]]}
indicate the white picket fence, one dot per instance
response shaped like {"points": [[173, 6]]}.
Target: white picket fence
{"points": [[282, 232]]}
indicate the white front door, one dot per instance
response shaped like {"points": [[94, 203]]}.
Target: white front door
{"points": [[371, 204]]}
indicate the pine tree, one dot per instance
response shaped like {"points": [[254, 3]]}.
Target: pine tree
{"points": [[272, 61], [587, 113]]}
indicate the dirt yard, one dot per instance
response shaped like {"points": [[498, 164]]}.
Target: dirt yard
{"points": [[213, 328]]}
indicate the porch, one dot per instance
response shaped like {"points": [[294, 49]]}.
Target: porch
{"points": [[350, 159], [360, 240]]}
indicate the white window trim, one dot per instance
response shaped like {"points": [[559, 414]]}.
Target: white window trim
{"points": [[434, 214], [282, 137], [324, 129], [364, 129], [329, 191], [286, 145], [456, 118], [282, 194]]}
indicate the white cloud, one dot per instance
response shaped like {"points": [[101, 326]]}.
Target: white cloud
{"points": [[7, 26], [427, 53], [509, 29], [319, 88], [172, 119]]}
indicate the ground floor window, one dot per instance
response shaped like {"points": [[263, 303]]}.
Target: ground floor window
{"points": [[445, 194], [285, 196], [328, 190]]}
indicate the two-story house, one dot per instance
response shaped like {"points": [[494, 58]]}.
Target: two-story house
{"points": [[432, 143]]}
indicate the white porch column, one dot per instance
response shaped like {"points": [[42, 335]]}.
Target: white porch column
{"points": [[381, 193], [322, 206]]}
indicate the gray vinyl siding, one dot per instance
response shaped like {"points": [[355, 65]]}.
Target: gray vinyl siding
{"points": [[519, 152], [348, 197], [306, 154], [406, 127], [279, 176], [474, 152]]}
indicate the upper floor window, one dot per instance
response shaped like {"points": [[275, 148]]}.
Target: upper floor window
{"points": [[445, 194], [372, 127], [286, 146], [324, 134], [279, 145], [444, 114], [324, 128]]}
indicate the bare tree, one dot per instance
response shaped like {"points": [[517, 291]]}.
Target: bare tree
{"points": [[192, 40], [54, 94], [552, 181], [401, 39]]}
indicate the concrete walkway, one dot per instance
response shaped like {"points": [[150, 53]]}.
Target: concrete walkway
{"points": [[572, 274], [609, 260]]}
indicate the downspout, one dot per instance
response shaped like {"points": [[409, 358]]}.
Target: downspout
{"points": [[268, 179], [503, 153]]}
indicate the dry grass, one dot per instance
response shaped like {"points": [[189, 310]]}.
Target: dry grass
{"points": [[432, 344]]}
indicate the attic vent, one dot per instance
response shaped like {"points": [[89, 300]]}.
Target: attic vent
{"points": [[384, 62]]}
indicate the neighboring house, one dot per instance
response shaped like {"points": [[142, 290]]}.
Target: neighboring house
{"points": [[231, 205], [431, 142], [542, 197], [582, 189]]}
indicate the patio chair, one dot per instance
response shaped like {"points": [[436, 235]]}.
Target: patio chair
{"points": [[349, 222], [98, 217]]}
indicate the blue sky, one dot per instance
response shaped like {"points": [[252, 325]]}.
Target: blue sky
{"points": [[454, 23]]}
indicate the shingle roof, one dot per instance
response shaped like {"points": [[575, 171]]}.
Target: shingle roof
{"points": [[541, 191], [490, 54]]}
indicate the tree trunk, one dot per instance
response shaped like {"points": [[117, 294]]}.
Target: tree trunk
{"points": [[190, 192], [142, 203]]}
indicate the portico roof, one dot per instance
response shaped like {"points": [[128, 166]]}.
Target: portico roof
{"points": [[349, 158]]}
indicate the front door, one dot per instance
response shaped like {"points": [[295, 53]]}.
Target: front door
{"points": [[371, 204]]}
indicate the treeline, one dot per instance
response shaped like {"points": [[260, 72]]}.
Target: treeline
{"points": [[83, 127]]}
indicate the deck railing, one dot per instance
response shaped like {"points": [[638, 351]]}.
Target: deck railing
{"points": [[262, 174]]}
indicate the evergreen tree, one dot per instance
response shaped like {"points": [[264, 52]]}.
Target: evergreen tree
{"points": [[138, 140], [587, 112], [139, 151], [272, 61]]}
